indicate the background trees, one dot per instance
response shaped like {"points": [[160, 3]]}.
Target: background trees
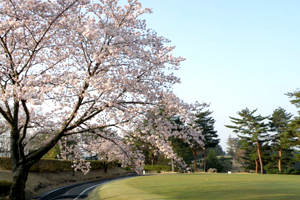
{"points": [[275, 137], [234, 148]]}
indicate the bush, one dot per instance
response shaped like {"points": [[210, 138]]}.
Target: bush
{"points": [[291, 171], [273, 171], [4, 188], [5, 163], [157, 168], [51, 165]]}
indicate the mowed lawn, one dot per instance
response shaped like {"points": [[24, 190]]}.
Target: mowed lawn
{"points": [[201, 186]]}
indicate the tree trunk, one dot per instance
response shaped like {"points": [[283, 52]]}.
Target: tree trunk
{"points": [[256, 166], [73, 171], [259, 157], [21, 164], [205, 161], [152, 159], [17, 190], [195, 160], [105, 166], [172, 162], [279, 160]]}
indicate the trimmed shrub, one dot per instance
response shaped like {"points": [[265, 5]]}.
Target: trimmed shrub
{"points": [[157, 168], [52, 165], [4, 188]]}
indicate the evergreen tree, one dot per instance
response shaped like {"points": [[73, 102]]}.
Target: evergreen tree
{"points": [[206, 124], [294, 126], [249, 157], [179, 145], [253, 131], [279, 121], [213, 161]]}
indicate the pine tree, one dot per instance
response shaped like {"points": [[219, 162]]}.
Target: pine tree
{"points": [[251, 129], [280, 140], [294, 126], [206, 124]]}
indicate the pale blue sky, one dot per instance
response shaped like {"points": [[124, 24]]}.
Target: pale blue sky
{"points": [[240, 53]]}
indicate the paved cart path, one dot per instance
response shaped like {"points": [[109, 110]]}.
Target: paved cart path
{"points": [[77, 191]]}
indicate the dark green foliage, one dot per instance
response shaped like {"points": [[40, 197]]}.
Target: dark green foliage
{"points": [[182, 149], [161, 160], [249, 154], [213, 161], [226, 164], [295, 98], [250, 126], [51, 165], [294, 126], [4, 188], [152, 155], [279, 120], [281, 139], [206, 124]]}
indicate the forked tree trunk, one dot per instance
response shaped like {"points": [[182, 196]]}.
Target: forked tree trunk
{"points": [[279, 160], [259, 157], [21, 164], [17, 190], [256, 166]]}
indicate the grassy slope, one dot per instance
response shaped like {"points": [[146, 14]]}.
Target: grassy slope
{"points": [[202, 186], [42, 181]]}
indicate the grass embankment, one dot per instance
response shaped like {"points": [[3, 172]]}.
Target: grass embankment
{"points": [[202, 186], [42, 181]]}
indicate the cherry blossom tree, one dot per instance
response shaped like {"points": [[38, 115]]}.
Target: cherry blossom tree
{"points": [[110, 147], [161, 126], [74, 66], [70, 150]]}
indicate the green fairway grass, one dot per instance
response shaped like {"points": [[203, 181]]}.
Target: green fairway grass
{"points": [[202, 186]]}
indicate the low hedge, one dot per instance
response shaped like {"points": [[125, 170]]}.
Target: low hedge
{"points": [[4, 188], [157, 168], [5, 163], [51, 165]]}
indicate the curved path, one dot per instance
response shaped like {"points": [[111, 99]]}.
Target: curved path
{"points": [[77, 191]]}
